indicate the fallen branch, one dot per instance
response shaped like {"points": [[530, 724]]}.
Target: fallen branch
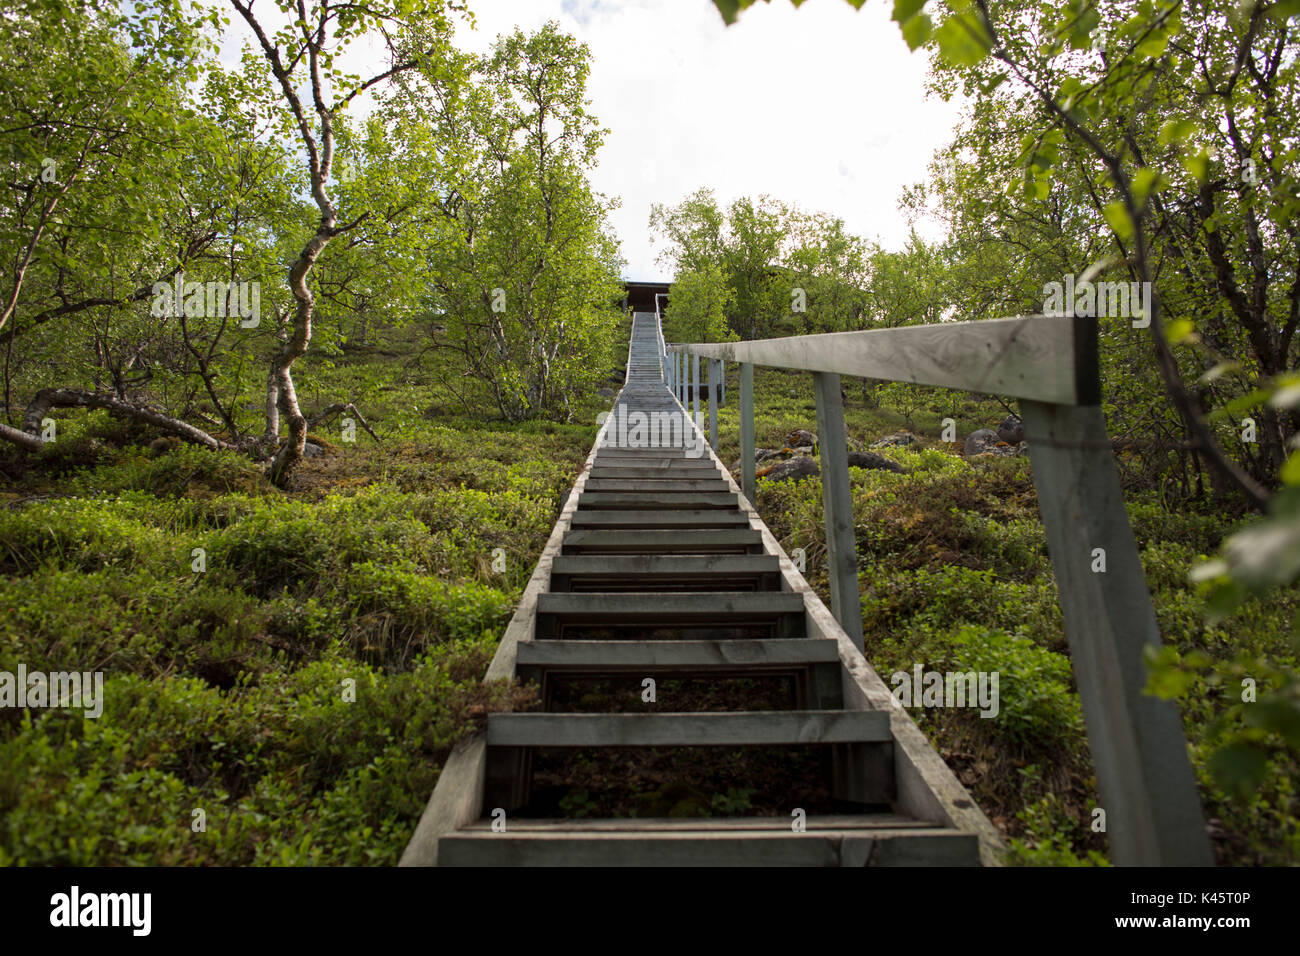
{"points": [[47, 398], [335, 409]]}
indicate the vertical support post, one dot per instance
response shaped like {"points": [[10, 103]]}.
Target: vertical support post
{"points": [[695, 385], [722, 380], [714, 364], [748, 483], [1148, 787], [841, 545]]}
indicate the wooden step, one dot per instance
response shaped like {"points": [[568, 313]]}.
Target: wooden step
{"points": [[634, 655], [814, 664], [748, 728], [686, 467], [759, 572], [653, 486], [653, 454], [660, 474], [719, 846], [668, 501], [652, 541], [645, 520], [650, 610], [812, 824]]}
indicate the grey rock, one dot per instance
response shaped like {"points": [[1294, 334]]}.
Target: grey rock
{"points": [[760, 455], [801, 438], [795, 469], [867, 459], [1011, 430], [896, 440], [979, 442], [312, 450]]}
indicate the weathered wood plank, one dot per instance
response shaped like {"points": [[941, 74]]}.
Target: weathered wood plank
{"points": [[717, 518], [658, 541], [905, 847], [657, 500], [757, 728], [837, 506], [657, 606], [849, 823], [725, 572], [714, 373], [1045, 358], [1148, 788], [657, 485], [748, 484], [625, 654]]}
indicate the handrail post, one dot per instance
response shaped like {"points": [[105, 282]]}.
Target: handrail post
{"points": [[748, 483], [713, 403], [1146, 782], [722, 379], [695, 385], [841, 545]]}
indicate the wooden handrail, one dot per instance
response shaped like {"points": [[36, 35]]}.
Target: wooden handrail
{"points": [[1044, 358]]}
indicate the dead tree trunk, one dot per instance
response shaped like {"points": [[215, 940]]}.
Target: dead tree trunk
{"points": [[30, 437]]}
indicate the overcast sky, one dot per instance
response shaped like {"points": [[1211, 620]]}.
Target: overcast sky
{"points": [[821, 106]]}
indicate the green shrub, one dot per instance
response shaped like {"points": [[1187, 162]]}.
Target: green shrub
{"points": [[1037, 707]]}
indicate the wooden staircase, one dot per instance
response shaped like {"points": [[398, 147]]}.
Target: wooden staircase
{"points": [[660, 569]]}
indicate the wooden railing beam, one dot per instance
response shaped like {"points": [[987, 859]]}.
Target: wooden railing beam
{"points": [[1045, 358]]}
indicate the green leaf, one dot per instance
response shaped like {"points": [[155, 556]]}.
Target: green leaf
{"points": [[963, 39], [904, 10], [916, 31], [1118, 219], [1290, 470], [1284, 9], [1277, 714], [1218, 371], [1166, 678], [1144, 181], [1175, 131], [1239, 768], [730, 10], [1198, 164], [1179, 331], [1288, 396], [1208, 571]]}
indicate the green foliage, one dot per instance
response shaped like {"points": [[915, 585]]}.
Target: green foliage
{"points": [[1055, 838], [1038, 708], [225, 690]]}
